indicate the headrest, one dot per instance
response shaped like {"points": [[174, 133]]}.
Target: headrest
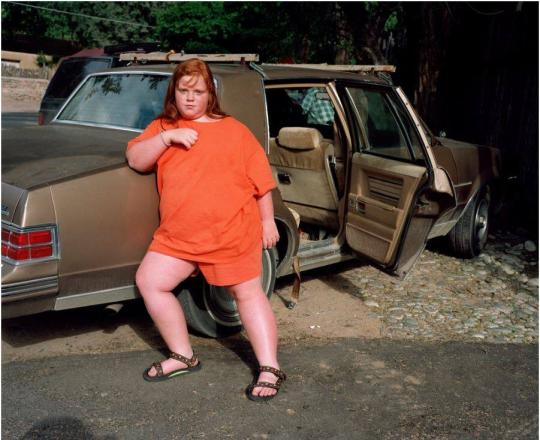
{"points": [[300, 138]]}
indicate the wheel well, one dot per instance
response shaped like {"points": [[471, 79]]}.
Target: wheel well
{"points": [[284, 246]]}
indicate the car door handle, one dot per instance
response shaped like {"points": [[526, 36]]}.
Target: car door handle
{"points": [[284, 178]]}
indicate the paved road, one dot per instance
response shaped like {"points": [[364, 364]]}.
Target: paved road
{"points": [[19, 119], [342, 389]]}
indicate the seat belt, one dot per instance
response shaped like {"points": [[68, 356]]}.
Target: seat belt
{"points": [[295, 296], [332, 163]]}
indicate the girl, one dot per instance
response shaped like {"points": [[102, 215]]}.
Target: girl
{"points": [[216, 215]]}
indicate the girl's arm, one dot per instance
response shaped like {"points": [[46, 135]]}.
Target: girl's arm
{"points": [[270, 235], [143, 155]]}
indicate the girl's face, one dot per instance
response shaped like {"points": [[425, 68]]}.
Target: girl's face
{"points": [[191, 96]]}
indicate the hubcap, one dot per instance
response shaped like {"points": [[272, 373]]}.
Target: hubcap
{"points": [[222, 307], [481, 222]]}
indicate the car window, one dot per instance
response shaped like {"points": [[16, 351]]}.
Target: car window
{"points": [[300, 107], [130, 100], [414, 139], [71, 72], [379, 122]]}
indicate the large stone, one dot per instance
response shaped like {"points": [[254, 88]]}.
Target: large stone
{"points": [[507, 269], [371, 304], [523, 278], [511, 259], [411, 323], [486, 258], [530, 246]]}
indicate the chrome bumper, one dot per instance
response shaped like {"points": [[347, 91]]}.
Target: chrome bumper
{"points": [[37, 287]]}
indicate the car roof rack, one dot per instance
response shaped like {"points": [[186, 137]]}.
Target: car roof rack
{"points": [[375, 68], [172, 56], [142, 47]]}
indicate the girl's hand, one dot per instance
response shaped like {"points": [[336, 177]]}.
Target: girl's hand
{"points": [[270, 235], [184, 136]]}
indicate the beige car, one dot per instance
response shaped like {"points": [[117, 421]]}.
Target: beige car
{"points": [[358, 173]]}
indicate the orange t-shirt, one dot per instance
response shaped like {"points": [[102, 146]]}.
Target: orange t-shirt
{"points": [[208, 206]]}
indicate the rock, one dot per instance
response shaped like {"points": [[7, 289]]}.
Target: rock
{"points": [[530, 246], [486, 258], [502, 331], [479, 336], [515, 252], [523, 278], [507, 269], [371, 304], [504, 309], [522, 315], [523, 294], [431, 309], [533, 310], [512, 260], [409, 322]]}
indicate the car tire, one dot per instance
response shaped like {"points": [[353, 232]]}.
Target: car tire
{"points": [[469, 236], [210, 310]]}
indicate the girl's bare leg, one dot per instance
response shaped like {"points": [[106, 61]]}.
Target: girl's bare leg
{"points": [[156, 277], [260, 324]]}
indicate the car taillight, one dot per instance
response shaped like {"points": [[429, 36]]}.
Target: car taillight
{"points": [[41, 118], [22, 245]]}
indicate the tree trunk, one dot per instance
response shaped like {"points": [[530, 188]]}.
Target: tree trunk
{"points": [[435, 25]]}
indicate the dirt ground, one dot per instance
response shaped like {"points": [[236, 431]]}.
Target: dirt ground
{"points": [[324, 312]]}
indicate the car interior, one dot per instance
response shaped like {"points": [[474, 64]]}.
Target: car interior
{"points": [[307, 158]]}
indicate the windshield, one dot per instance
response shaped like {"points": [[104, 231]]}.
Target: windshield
{"points": [[127, 100]]}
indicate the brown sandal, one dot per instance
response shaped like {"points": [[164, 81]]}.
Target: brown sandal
{"points": [[193, 365], [281, 378]]}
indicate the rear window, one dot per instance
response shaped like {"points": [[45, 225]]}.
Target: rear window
{"points": [[128, 100], [71, 72]]}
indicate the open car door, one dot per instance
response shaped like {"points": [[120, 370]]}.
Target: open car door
{"points": [[387, 220]]}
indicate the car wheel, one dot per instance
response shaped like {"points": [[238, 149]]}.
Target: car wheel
{"points": [[469, 236], [210, 310]]}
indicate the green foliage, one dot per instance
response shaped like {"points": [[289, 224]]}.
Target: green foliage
{"points": [[371, 7], [88, 23], [195, 26], [299, 31], [43, 60], [391, 22]]}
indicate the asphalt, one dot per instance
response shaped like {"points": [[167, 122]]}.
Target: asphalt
{"points": [[344, 389]]}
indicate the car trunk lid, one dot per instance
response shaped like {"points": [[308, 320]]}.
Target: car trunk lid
{"points": [[11, 197], [59, 151]]}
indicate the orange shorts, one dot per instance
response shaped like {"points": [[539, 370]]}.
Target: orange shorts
{"points": [[246, 267], [235, 271]]}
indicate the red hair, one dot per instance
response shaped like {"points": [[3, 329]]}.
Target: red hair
{"points": [[192, 67]]}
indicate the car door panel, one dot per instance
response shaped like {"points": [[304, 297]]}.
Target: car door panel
{"points": [[381, 196]]}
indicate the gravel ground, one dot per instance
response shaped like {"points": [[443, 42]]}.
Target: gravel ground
{"points": [[493, 298]]}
